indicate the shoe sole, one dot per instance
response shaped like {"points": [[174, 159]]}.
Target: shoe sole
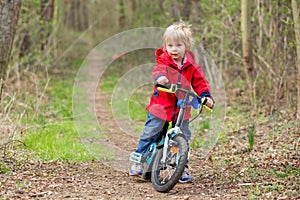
{"points": [[187, 181], [135, 174]]}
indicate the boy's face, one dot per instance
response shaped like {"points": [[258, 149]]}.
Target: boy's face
{"points": [[175, 49]]}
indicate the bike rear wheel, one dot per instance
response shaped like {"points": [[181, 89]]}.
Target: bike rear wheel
{"points": [[165, 175], [147, 172]]}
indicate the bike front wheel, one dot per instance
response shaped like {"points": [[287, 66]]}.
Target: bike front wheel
{"points": [[166, 174]]}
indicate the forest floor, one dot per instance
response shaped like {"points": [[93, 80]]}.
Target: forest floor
{"points": [[271, 170]]}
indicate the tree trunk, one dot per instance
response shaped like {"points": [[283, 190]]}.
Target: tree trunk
{"points": [[47, 9], [71, 15], [296, 13], [133, 11], [76, 15], [121, 14], [247, 49], [66, 13], [78, 23], [9, 13], [84, 16], [47, 13], [246, 39], [186, 10], [175, 12], [25, 44]]}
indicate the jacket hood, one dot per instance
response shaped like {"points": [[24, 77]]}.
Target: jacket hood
{"points": [[161, 54]]}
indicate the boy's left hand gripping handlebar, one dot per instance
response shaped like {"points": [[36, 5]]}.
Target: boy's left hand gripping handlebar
{"points": [[203, 101]]}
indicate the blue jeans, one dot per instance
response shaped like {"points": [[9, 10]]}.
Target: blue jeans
{"points": [[152, 128]]}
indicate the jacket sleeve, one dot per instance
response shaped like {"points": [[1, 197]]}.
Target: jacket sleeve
{"points": [[199, 82], [160, 69]]}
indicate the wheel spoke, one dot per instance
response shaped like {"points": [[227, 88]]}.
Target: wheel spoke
{"points": [[166, 174], [167, 170]]}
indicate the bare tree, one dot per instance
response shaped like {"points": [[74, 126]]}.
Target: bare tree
{"points": [[84, 16], [122, 15], [9, 13], [47, 13], [76, 14], [247, 47], [186, 9], [296, 13]]}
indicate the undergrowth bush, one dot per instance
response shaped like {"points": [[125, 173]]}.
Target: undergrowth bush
{"points": [[53, 135]]}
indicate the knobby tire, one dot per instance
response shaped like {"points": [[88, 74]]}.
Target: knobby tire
{"points": [[166, 185]]}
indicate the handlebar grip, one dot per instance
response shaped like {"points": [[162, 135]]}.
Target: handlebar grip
{"points": [[163, 89], [207, 108], [203, 101], [167, 85]]}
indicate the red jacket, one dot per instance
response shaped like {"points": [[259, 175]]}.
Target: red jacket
{"points": [[164, 105]]}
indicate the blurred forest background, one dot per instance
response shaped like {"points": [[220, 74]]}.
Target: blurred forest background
{"points": [[47, 35], [253, 44], [43, 42]]}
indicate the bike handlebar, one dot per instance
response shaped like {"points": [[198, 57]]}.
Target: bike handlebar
{"points": [[173, 88]]}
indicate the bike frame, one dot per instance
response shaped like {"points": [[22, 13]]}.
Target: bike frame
{"points": [[176, 130]]}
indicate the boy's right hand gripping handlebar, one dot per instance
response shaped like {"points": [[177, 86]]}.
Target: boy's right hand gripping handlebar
{"points": [[172, 88]]}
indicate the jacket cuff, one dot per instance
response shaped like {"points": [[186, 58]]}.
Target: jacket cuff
{"points": [[157, 76], [206, 94]]}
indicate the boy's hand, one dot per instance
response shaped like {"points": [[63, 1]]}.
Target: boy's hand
{"points": [[210, 102], [162, 80]]}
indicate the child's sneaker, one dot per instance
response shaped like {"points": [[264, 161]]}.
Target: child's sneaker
{"points": [[186, 177], [136, 170]]}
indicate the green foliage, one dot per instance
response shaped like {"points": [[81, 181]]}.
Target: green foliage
{"points": [[57, 142], [201, 129], [159, 17], [57, 107], [33, 32], [273, 187], [60, 93], [288, 171], [108, 84], [55, 137], [250, 135], [137, 105], [3, 168]]}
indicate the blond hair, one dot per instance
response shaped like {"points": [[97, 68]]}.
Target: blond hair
{"points": [[180, 31]]}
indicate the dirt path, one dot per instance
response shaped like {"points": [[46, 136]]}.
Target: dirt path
{"points": [[91, 180], [224, 174], [270, 171]]}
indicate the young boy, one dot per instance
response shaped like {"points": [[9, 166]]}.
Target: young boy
{"points": [[174, 63]]}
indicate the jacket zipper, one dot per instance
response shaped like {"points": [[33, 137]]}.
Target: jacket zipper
{"points": [[176, 100], [175, 107]]}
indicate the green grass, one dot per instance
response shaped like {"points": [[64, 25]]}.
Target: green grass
{"points": [[288, 171], [198, 140], [109, 83], [57, 142], [137, 104], [54, 136], [250, 135], [3, 168], [134, 107]]}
